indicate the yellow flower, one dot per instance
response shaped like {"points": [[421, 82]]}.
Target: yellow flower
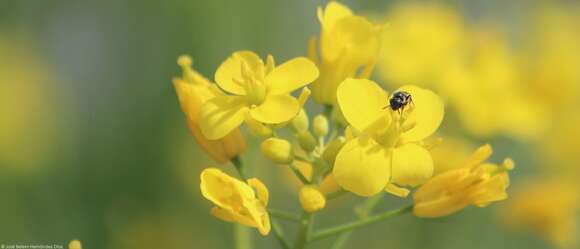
{"points": [[386, 149], [193, 90], [405, 54], [548, 207], [475, 183], [311, 199], [347, 44], [260, 91], [235, 200]]}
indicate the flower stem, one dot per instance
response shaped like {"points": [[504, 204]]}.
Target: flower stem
{"points": [[284, 215], [279, 234], [336, 194], [304, 232], [298, 174], [242, 234], [237, 162], [362, 212], [242, 237], [360, 223]]}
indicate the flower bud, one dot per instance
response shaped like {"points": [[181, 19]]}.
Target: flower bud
{"points": [[193, 90], [300, 122], [306, 141], [320, 126], [74, 244], [332, 149], [278, 150], [311, 199]]}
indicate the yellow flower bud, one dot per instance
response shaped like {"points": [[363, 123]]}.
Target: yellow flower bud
{"points": [[278, 150], [74, 244], [307, 141], [193, 90], [477, 183], [320, 126], [311, 199], [329, 154], [300, 122]]}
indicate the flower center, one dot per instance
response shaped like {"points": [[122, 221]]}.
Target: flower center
{"points": [[253, 83]]}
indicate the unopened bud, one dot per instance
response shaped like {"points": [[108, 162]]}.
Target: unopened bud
{"points": [[329, 154], [278, 150], [311, 199], [300, 122], [306, 141], [320, 126]]}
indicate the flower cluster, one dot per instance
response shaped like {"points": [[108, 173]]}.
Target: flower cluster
{"points": [[366, 141]]}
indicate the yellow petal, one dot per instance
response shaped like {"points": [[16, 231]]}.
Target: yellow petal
{"points": [[276, 109], [362, 167], [354, 37], [396, 190], [479, 156], [333, 12], [223, 190], [427, 113], [232, 217], [361, 101], [221, 115], [261, 190], [412, 165], [232, 69], [291, 75]]}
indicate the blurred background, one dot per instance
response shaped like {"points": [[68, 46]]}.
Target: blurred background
{"points": [[93, 145]]}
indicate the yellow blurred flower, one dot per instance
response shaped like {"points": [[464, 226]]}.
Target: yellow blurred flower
{"points": [[551, 70], [260, 91], [548, 207], [193, 90], [421, 41], [311, 199], [450, 154], [235, 200], [36, 123], [347, 44], [488, 93], [386, 149], [474, 183], [473, 69]]}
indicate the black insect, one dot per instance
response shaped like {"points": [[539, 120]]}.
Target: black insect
{"points": [[399, 100]]}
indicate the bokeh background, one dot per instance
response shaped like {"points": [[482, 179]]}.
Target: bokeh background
{"points": [[93, 145]]}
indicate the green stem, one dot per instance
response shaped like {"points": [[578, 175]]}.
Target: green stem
{"points": [[237, 162], [360, 223], [304, 232], [301, 158], [299, 174], [242, 237], [279, 234], [362, 212], [336, 194], [284, 215]]}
